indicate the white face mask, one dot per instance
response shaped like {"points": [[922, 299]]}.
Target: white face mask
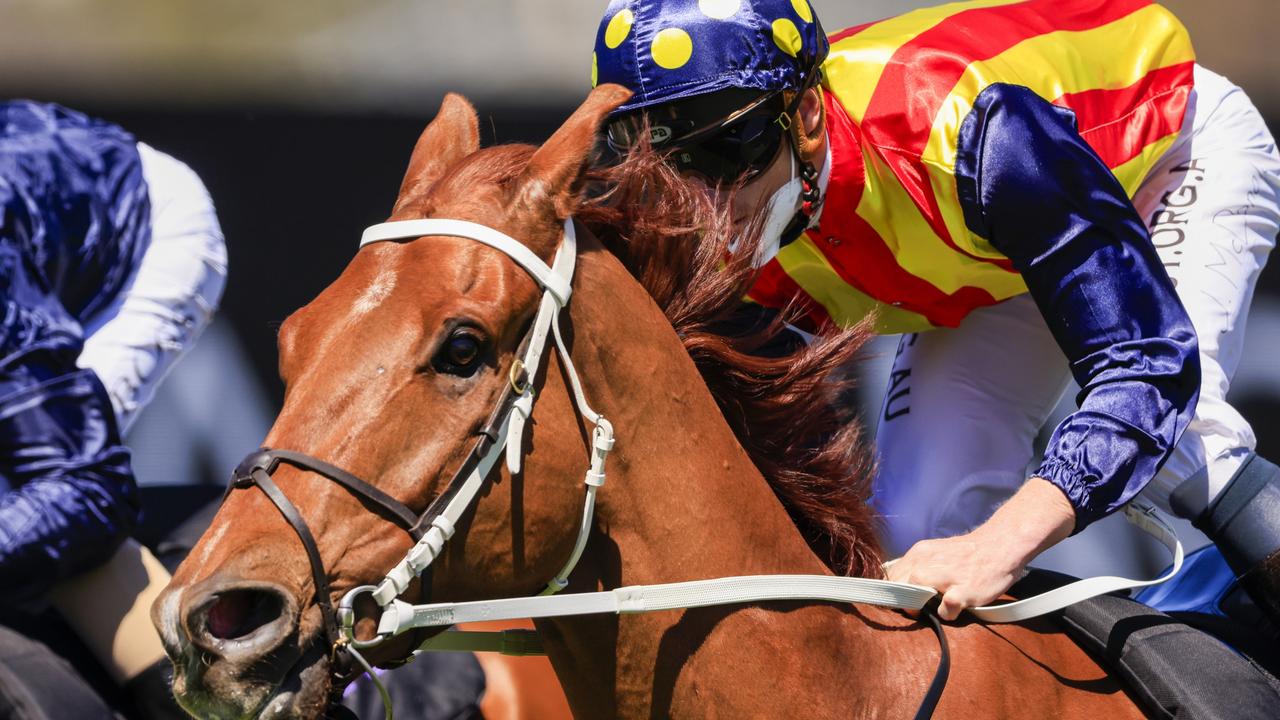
{"points": [[782, 208]]}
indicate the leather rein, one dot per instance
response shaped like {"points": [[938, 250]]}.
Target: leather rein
{"points": [[504, 430]]}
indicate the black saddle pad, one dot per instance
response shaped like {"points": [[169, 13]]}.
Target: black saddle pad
{"points": [[1172, 669]]}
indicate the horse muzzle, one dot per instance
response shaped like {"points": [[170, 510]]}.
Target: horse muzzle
{"points": [[238, 650]]}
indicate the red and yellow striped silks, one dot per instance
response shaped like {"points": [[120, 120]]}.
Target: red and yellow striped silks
{"points": [[892, 237]]}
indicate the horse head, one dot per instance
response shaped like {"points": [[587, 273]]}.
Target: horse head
{"points": [[392, 374]]}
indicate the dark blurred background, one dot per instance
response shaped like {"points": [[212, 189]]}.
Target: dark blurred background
{"points": [[300, 115]]}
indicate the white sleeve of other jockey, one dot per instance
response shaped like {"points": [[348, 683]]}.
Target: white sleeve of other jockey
{"points": [[172, 295]]}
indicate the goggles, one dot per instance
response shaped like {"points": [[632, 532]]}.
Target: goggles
{"points": [[700, 141]]}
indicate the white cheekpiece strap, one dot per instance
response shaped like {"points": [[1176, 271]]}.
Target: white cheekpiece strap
{"points": [[548, 312], [428, 548]]}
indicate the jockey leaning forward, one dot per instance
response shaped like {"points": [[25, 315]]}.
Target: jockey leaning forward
{"points": [[111, 264], [1031, 192]]}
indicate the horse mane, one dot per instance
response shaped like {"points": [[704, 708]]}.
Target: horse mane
{"points": [[791, 412]]}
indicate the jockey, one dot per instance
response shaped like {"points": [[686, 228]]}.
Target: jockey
{"points": [[111, 264], [1030, 192]]}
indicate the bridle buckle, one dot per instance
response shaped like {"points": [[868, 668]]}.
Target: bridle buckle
{"points": [[518, 377], [346, 614], [263, 460]]}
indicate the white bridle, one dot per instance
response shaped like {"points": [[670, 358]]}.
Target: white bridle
{"points": [[556, 281]]}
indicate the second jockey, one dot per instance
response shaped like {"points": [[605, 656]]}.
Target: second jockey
{"points": [[112, 262], [1030, 192]]}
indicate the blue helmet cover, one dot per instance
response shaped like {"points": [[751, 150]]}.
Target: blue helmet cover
{"points": [[664, 50]]}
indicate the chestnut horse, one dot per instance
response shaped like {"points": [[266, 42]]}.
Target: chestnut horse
{"points": [[726, 463]]}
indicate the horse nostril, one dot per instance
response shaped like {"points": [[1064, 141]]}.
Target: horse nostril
{"points": [[238, 613], [240, 620]]}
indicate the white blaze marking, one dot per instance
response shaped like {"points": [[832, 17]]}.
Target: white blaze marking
{"points": [[377, 291], [208, 546]]}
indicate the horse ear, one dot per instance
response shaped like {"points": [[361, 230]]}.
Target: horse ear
{"points": [[553, 177], [453, 134]]}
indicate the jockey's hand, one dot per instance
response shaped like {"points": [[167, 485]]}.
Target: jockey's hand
{"points": [[976, 568]]}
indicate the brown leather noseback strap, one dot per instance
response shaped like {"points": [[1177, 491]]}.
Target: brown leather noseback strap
{"points": [[256, 470], [258, 476], [392, 509]]}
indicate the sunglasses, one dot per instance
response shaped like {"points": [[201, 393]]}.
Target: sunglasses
{"points": [[722, 151]]}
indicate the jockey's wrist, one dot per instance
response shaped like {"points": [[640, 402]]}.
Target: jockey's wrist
{"points": [[1035, 519]]}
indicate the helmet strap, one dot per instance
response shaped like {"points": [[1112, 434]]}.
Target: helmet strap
{"points": [[810, 196], [794, 229]]}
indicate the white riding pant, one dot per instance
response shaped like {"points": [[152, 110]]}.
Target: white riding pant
{"points": [[133, 343], [964, 405]]}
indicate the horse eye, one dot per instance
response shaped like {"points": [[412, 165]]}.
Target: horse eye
{"points": [[463, 349], [460, 354]]}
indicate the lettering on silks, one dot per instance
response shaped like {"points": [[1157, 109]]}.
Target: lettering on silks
{"points": [[1168, 223], [896, 402]]}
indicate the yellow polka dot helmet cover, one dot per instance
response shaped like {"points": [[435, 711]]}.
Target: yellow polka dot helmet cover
{"points": [[664, 50]]}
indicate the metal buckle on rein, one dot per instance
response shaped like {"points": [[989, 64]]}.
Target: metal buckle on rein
{"points": [[347, 646], [346, 613]]}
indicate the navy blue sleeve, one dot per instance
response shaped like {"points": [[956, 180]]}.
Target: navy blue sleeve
{"points": [[67, 492], [1034, 188], [74, 219]]}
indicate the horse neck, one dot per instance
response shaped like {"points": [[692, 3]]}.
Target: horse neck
{"points": [[682, 502], [680, 486]]}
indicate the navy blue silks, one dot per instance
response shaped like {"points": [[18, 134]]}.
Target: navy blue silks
{"points": [[74, 223], [69, 497], [1031, 186]]}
